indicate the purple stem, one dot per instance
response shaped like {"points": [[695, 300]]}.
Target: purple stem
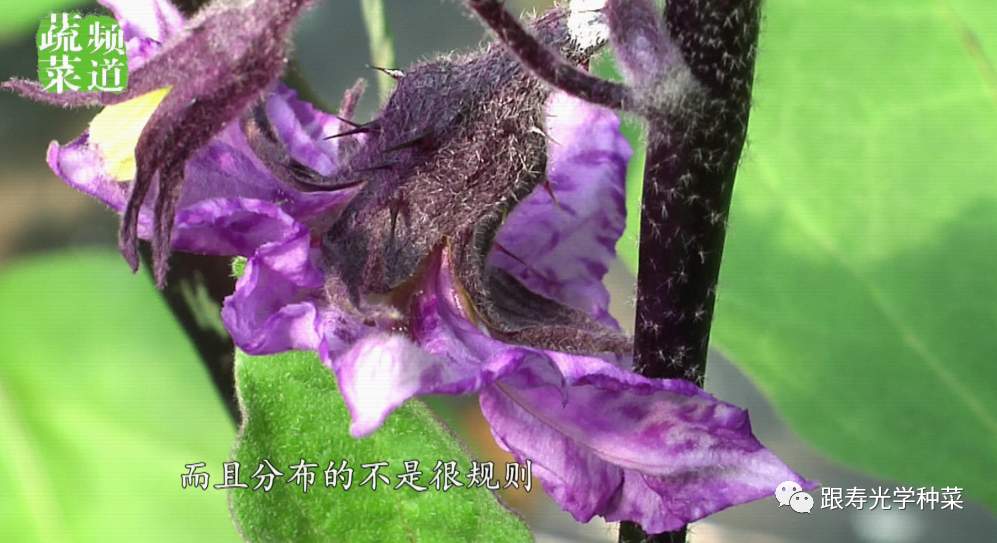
{"points": [[692, 158]]}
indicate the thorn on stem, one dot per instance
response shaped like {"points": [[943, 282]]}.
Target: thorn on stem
{"points": [[423, 141], [361, 129], [397, 75]]}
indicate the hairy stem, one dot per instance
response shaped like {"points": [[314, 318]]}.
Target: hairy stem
{"points": [[692, 158]]}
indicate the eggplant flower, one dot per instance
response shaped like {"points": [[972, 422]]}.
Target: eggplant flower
{"points": [[455, 244], [471, 261], [602, 440]]}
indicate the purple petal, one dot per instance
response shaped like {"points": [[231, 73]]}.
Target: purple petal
{"points": [[381, 372], [279, 303], [568, 245], [455, 356], [232, 226], [155, 19], [303, 130], [275, 304], [665, 504], [227, 167], [81, 166], [582, 483], [378, 374], [666, 452]]}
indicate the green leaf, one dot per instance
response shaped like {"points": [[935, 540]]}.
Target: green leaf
{"points": [[24, 17], [294, 412], [102, 402], [859, 287]]}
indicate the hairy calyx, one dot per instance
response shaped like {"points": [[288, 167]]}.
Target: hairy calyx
{"points": [[458, 144]]}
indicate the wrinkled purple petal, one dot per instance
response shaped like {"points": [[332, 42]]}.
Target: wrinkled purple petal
{"points": [[662, 459], [460, 358], [582, 483], [303, 129], [279, 303], [380, 372], [568, 245], [664, 504], [232, 226], [275, 304], [227, 166]]}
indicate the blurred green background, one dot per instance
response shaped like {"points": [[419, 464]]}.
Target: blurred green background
{"points": [[858, 290]]}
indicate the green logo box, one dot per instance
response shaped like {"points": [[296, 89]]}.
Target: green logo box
{"points": [[81, 54]]}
